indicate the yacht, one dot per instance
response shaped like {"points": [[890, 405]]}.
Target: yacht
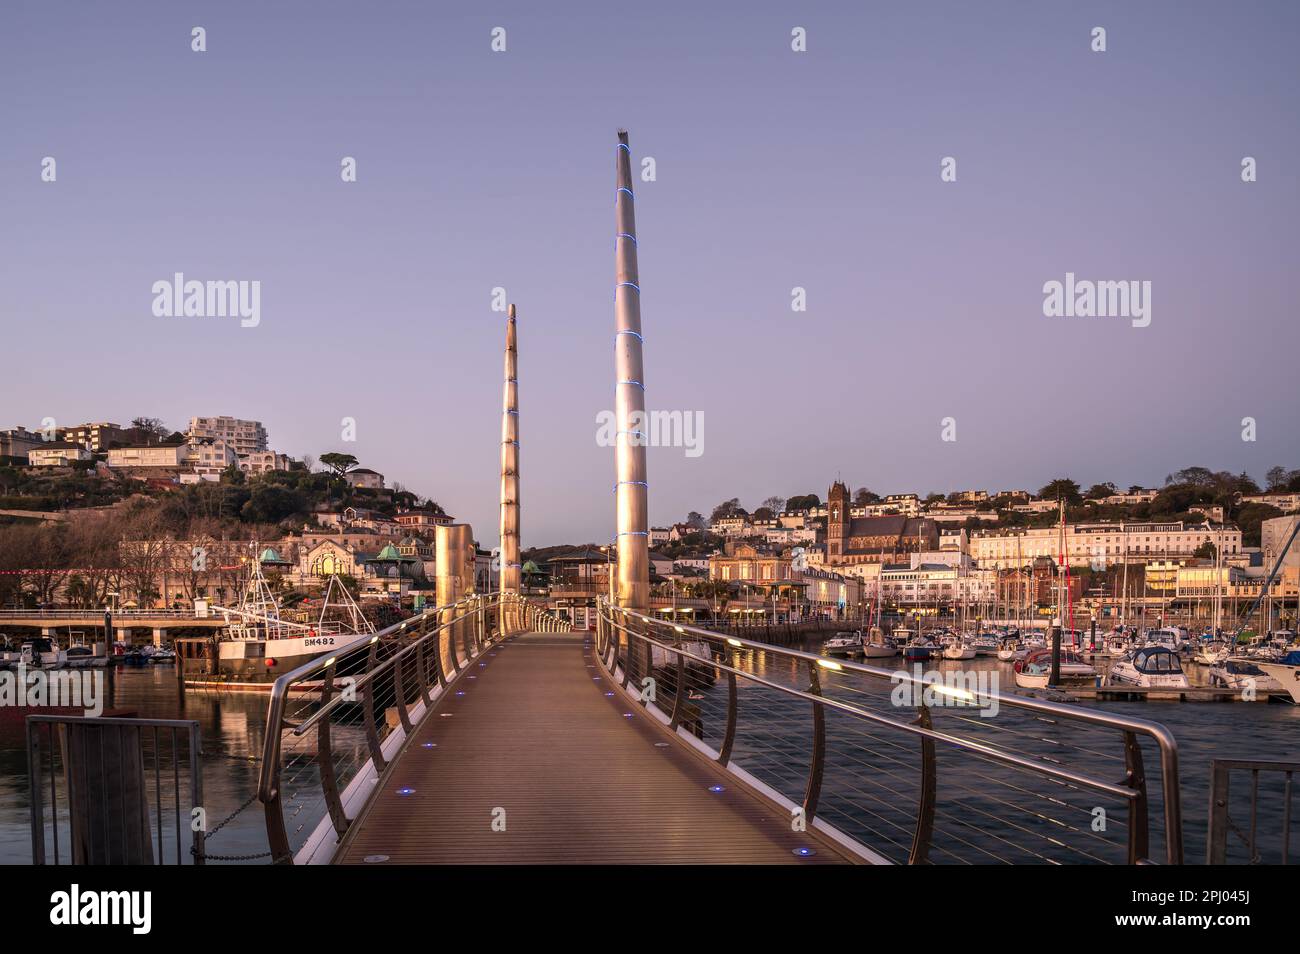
{"points": [[879, 646], [1034, 671], [1287, 673], [954, 647], [1238, 672], [1165, 636], [916, 647], [844, 644], [986, 644], [1151, 667], [1012, 651]]}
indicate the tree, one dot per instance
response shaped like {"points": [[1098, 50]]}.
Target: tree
{"points": [[338, 464], [803, 502], [764, 513], [1062, 488], [1098, 491], [1205, 551], [271, 504], [728, 508], [774, 504], [695, 520], [863, 496], [1196, 476], [152, 429], [1277, 478]]}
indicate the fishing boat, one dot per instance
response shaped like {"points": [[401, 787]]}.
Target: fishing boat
{"points": [[258, 645], [1151, 667], [1035, 670], [1239, 672], [844, 644]]}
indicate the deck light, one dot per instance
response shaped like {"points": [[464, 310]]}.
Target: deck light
{"points": [[804, 852], [406, 790], [734, 642], [716, 788], [830, 664]]}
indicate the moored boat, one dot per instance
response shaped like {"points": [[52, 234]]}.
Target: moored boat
{"points": [[1151, 667]]}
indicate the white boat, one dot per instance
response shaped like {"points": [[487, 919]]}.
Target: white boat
{"points": [[986, 644], [844, 644], [1152, 667], [1012, 652], [1238, 672], [1212, 653], [956, 648], [1166, 636], [879, 646], [1034, 671], [41, 652], [1287, 673]]}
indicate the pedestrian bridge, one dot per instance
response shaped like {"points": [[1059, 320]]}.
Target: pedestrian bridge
{"points": [[485, 731]]}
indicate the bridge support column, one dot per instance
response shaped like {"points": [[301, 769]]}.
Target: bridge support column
{"points": [[632, 490], [454, 562], [509, 554], [158, 636], [48, 632]]}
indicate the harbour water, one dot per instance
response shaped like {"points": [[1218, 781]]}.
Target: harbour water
{"points": [[233, 730]]}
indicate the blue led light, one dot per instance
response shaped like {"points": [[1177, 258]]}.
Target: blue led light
{"points": [[716, 789], [629, 285], [406, 791], [635, 334], [428, 745], [804, 852], [624, 189], [633, 533], [626, 236], [623, 145], [609, 693], [630, 381], [627, 715]]}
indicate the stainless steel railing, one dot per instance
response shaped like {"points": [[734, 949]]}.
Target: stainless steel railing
{"points": [[899, 764], [336, 723]]}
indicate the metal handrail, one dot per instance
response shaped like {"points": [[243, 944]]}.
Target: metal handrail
{"points": [[1133, 792], [512, 613]]}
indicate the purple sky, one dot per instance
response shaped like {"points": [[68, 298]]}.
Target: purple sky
{"points": [[775, 169]]}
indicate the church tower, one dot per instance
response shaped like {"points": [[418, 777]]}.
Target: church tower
{"points": [[837, 522]]}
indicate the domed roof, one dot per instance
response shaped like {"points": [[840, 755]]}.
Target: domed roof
{"points": [[269, 555]]}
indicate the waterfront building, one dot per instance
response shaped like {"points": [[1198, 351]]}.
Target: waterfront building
{"points": [[1100, 544], [1274, 534]]}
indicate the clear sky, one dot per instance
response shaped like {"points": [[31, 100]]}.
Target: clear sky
{"points": [[775, 169]]}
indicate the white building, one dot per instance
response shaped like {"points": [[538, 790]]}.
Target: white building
{"points": [[1284, 502], [243, 437], [261, 462], [57, 454], [161, 455], [1100, 544], [365, 477], [209, 458]]}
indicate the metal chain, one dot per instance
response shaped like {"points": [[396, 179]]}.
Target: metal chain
{"points": [[208, 856]]}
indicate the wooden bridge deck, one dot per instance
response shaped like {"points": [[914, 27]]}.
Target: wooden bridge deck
{"points": [[580, 782]]}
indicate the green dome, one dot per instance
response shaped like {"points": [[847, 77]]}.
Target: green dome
{"points": [[389, 552], [269, 555]]}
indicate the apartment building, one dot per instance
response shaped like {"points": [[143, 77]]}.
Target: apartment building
{"points": [[96, 436], [208, 458], [261, 462], [243, 437], [160, 455], [1101, 544], [1284, 502]]}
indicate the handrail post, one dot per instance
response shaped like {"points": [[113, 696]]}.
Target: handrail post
{"points": [[1135, 778], [928, 799], [817, 763], [325, 759], [368, 711], [399, 691], [679, 692], [729, 737]]}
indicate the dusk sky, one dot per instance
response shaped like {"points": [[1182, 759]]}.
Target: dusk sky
{"points": [[775, 169]]}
